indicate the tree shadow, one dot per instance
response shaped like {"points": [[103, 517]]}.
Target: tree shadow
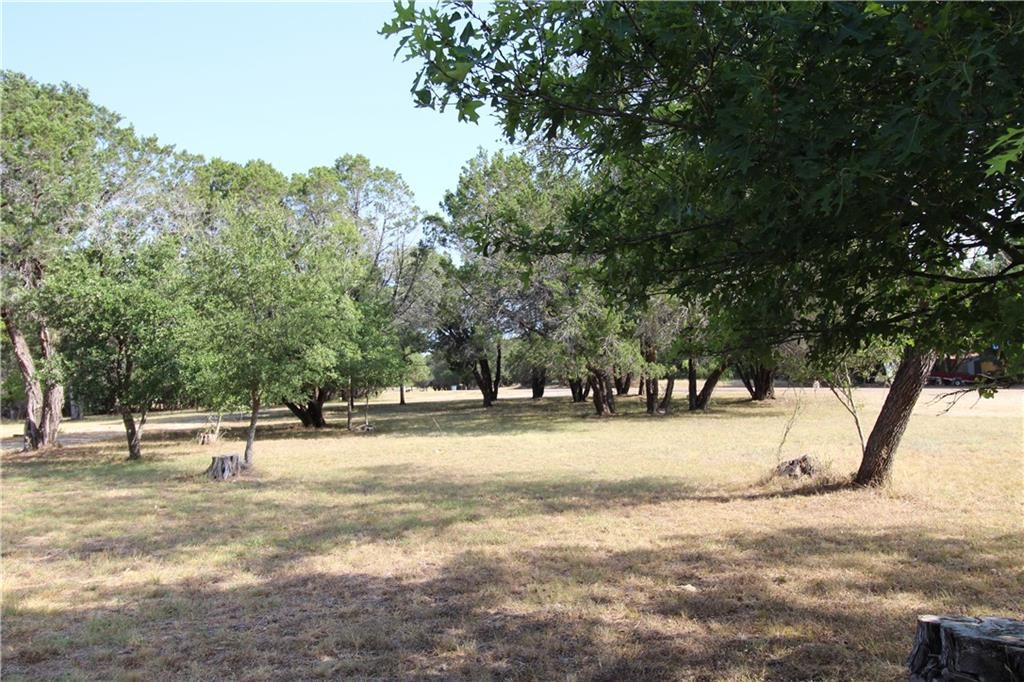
{"points": [[757, 606]]}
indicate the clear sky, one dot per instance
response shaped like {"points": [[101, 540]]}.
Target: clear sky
{"points": [[294, 84]]}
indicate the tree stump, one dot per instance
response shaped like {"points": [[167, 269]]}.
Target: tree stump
{"points": [[224, 467], [796, 468], [964, 649]]}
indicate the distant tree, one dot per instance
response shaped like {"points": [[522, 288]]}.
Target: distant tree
{"points": [[381, 269], [269, 313], [470, 325], [119, 311], [65, 163], [508, 295]]}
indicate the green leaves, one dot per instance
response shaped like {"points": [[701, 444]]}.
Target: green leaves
{"points": [[1012, 147], [852, 158], [120, 311]]}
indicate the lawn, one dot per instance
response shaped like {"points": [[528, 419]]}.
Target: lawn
{"points": [[528, 541]]}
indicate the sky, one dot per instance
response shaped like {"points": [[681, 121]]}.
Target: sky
{"points": [[296, 85]]}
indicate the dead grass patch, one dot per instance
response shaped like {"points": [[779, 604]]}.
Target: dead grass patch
{"points": [[522, 542]]}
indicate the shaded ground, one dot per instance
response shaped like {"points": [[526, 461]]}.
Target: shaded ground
{"points": [[529, 541]]}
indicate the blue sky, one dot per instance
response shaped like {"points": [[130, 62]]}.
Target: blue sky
{"points": [[294, 84]]}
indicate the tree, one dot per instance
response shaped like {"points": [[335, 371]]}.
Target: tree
{"points": [[510, 296], [269, 312], [382, 267], [119, 310], [69, 170], [470, 326], [815, 150]]}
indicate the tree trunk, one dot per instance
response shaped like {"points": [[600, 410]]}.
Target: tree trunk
{"points": [[622, 383], [759, 380], [876, 466], [401, 392], [316, 412], [576, 388], [966, 648], [485, 381], [250, 433], [349, 404], [609, 392], [603, 392], [704, 397], [33, 391], [691, 384], [538, 377], [651, 388], [301, 412], [666, 401], [133, 432], [497, 374], [312, 413], [53, 392], [223, 467]]}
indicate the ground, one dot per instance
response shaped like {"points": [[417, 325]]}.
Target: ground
{"points": [[529, 541]]}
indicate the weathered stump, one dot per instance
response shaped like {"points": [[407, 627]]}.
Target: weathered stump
{"points": [[964, 649], [796, 468], [224, 467]]}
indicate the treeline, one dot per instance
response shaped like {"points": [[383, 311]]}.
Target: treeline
{"points": [[673, 217], [139, 277]]}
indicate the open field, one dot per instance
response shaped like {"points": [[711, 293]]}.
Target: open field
{"points": [[529, 541]]}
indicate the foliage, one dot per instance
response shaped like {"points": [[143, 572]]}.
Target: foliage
{"points": [[119, 311], [814, 157], [270, 313]]}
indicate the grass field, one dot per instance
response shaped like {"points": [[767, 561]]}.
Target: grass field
{"points": [[529, 541]]}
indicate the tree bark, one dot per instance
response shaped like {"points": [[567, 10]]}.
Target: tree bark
{"points": [[497, 374], [401, 392], [666, 401], [622, 383], [488, 383], [576, 388], [301, 412], [349, 405], [33, 391], [876, 465], [968, 649], [651, 389], [250, 433], [603, 391], [759, 380], [223, 467], [691, 384], [650, 384], [53, 392], [538, 377], [312, 413], [133, 433], [704, 397]]}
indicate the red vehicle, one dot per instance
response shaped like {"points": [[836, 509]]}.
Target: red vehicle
{"points": [[950, 378]]}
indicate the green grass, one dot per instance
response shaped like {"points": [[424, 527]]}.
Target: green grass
{"points": [[529, 541]]}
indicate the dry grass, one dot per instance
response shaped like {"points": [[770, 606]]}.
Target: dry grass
{"points": [[524, 542]]}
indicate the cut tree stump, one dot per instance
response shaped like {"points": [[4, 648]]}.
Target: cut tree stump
{"points": [[964, 649], [224, 467], [796, 468]]}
